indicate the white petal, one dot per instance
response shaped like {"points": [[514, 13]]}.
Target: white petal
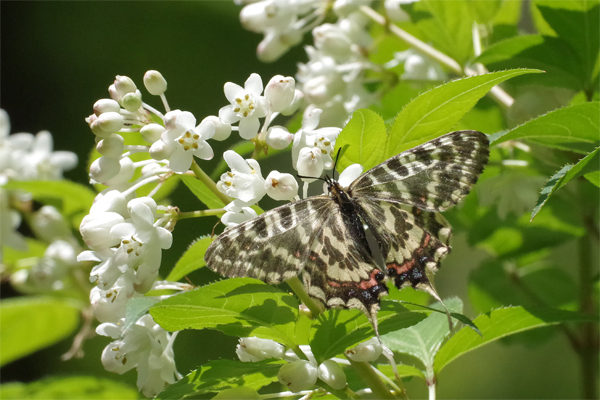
{"points": [[254, 84], [249, 127], [186, 120], [65, 160], [43, 142], [227, 115], [165, 237], [123, 230], [236, 162], [181, 160], [311, 121], [233, 91], [204, 152], [350, 174]]}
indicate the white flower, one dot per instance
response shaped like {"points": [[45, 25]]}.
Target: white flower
{"points": [[280, 92], [394, 11], [350, 174], [247, 106], [95, 229], [183, 140], [281, 186], [332, 374], [253, 349], [222, 130], [49, 224], [10, 220], [236, 215], [147, 347], [244, 182], [141, 242], [366, 351], [298, 375], [418, 67], [110, 305]]}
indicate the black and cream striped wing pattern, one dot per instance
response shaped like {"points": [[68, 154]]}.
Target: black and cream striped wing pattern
{"points": [[400, 200], [324, 237]]}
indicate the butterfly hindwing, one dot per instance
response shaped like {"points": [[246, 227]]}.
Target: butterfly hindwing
{"points": [[433, 176], [272, 246], [340, 271]]}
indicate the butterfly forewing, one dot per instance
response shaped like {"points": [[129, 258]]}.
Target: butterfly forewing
{"points": [[433, 176], [272, 246]]}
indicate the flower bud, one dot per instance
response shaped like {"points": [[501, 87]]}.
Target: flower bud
{"points": [[278, 137], [280, 92], [111, 201], [160, 151], [62, 251], [295, 104], [298, 375], [104, 168], [111, 146], [332, 41], [365, 351], [124, 85], [271, 48], [132, 101], [332, 374], [155, 83], [126, 171], [253, 349], [151, 132], [106, 105], [222, 130], [281, 186], [110, 122], [95, 230], [49, 224]]}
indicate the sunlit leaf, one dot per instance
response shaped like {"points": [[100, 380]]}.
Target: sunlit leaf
{"points": [[69, 388], [29, 324], [364, 135], [501, 323], [220, 375], [238, 307], [202, 192]]}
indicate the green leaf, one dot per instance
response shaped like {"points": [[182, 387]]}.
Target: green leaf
{"points": [[501, 323], [446, 24], [236, 307], [587, 165], [72, 199], [364, 133], [191, 260], [460, 317], [220, 375], [202, 192], [435, 112], [72, 387], [136, 307], [15, 259], [578, 23], [33, 323], [404, 371], [573, 128], [552, 55], [484, 12], [338, 330], [424, 339]]}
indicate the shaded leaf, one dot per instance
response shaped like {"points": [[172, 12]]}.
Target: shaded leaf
{"points": [[202, 192], [29, 324], [575, 128], [136, 307], [218, 375], [237, 307], [435, 112], [338, 330], [191, 260], [364, 134], [15, 259], [501, 323], [587, 165]]}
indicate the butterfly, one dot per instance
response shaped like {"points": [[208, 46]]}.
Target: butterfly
{"points": [[326, 237]]}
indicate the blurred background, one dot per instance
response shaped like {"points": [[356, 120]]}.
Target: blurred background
{"points": [[58, 58]]}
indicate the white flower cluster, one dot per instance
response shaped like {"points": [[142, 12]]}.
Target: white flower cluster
{"points": [[302, 374], [26, 157]]}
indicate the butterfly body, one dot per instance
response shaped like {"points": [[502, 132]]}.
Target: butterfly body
{"points": [[326, 237]]}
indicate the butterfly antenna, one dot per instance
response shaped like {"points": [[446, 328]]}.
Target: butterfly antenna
{"points": [[431, 290], [337, 157]]}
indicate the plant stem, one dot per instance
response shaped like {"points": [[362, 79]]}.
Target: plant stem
{"points": [[364, 370], [204, 178], [496, 92], [202, 213], [588, 350], [300, 291]]}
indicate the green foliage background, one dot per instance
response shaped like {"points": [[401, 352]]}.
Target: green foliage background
{"points": [[58, 58]]}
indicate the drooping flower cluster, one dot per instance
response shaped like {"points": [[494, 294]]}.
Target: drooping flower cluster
{"points": [[302, 373]]}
